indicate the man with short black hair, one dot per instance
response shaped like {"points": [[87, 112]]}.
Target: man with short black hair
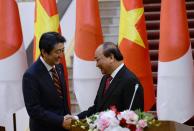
{"points": [[44, 87]]}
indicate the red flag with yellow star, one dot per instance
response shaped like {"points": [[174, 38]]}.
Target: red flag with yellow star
{"points": [[47, 19], [134, 46]]}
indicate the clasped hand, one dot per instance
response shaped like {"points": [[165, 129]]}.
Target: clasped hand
{"points": [[67, 121]]}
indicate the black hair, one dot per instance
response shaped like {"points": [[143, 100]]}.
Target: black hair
{"points": [[48, 41], [110, 48]]}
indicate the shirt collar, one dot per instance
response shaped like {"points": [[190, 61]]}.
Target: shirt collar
{"points": [[48, 67], [117, 70]]}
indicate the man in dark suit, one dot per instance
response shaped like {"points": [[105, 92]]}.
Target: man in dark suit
{"points": [[119, 87], [44, 87]]}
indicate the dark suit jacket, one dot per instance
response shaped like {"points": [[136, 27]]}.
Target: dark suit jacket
{"points": [[45, 108], [119, 94]]}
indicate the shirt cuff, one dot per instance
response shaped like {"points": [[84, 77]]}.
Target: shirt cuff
{"points": [[76, 117]]}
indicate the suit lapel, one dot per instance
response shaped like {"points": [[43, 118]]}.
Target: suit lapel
{"points": [[101, 89], [112, 88], [45, 76]]}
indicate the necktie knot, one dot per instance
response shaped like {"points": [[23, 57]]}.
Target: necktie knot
{"points": [[108, 80], [54, 73], [53, 70]]}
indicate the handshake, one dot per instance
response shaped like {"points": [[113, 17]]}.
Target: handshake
{"points": [[67, 121]]}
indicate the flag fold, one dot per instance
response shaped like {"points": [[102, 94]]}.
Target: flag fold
{"points": [[134, 46], [175, 93], [12, 62], [87, 38]]}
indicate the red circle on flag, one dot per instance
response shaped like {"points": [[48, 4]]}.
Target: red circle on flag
{"points": [[11, 33]]}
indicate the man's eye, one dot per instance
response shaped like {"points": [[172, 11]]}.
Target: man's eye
{"points": [[59, 51]]}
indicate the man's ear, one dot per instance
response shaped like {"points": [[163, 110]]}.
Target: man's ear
{"points": [[112, 57], [44, 53]]}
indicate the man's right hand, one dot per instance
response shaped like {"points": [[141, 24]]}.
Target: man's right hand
{"points": [[67, 121]]}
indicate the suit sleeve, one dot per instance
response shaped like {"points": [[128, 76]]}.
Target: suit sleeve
{"points": [[32, 101], [93, 109]]}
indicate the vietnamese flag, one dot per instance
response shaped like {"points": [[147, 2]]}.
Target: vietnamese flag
{"points": [[47, 19], [13, 62], [175, 93], [88, 37], [134, 46]]}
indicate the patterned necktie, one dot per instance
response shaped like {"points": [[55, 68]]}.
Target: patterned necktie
{"points": [[56, 82], [108, 80]]}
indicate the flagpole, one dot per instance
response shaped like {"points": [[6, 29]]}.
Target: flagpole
{"points": [[2, 128], [14, 122]]}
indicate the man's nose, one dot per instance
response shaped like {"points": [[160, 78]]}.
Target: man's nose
{"points": [[60, 54]]}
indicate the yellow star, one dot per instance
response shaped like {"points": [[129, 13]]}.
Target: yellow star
{"points": [[128, 20], [44, 23]]}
